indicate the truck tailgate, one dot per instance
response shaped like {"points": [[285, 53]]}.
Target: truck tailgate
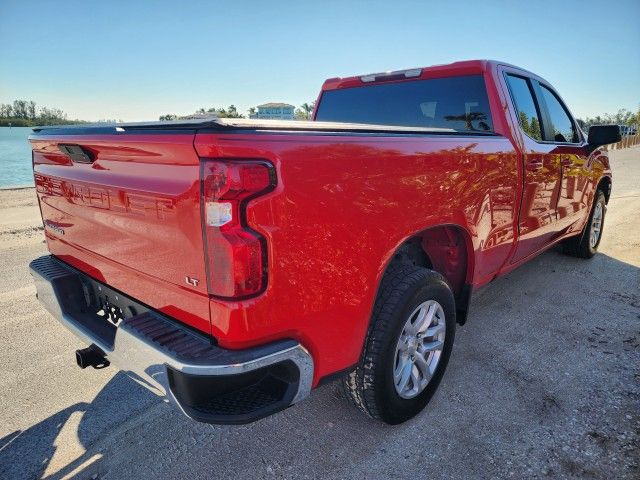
{"points": [[125, 209]]}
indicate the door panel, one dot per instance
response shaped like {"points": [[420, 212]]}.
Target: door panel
{"points": [[537, 222], [538, 212], [573, 201], [570, 154]]}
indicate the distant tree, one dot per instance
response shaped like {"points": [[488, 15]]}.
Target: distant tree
{"points": [[252, 111], [621, 117], [305, 111], [27, 113], [308, 108], [31, 109], [636, 118], [20, 109], [6, 110], [230, 112]]}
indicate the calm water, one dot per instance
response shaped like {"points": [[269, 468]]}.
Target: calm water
{"points": [[15, 157]]}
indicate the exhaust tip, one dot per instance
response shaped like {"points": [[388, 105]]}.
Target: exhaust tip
{"points": [[91, 356]]}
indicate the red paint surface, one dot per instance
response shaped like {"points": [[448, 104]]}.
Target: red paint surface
{"points": [[342, 205], [133, 216]]}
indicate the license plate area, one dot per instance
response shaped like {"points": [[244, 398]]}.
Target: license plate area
{"points": [[109, 311], [107, 304], [88, 307]]}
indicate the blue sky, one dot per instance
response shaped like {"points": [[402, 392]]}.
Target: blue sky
{"points": [[135, 60]]}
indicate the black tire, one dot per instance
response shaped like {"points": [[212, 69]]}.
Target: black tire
{"points": [[580, 245], [370, 386]]}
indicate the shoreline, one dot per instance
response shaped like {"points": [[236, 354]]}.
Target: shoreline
{"points": [[17, 187]]}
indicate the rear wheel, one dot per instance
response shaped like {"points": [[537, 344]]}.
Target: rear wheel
{"points": [[586, 244], [407, 347]]}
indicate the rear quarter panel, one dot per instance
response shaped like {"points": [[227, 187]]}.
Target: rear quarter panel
{"points": [[343, 205]]}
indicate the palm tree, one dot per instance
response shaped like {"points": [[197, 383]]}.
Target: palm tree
{"points": [[307, 109]]}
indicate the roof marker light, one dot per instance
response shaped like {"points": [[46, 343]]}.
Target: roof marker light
{"points": [[374, 77]]}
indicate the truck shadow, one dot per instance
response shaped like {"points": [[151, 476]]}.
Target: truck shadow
{"points": [[28, 453], [127, 425]]}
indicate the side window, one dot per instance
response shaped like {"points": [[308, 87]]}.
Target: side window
{"points": [[527, 112], [563, 129]]}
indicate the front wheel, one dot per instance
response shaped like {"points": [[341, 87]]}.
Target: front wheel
{"points": [[586, 244], [408, 345]]}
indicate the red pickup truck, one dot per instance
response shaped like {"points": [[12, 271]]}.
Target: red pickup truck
{"points": [[234, 265]]}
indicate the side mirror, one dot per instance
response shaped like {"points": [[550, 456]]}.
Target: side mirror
{"points": [[603, 135]]}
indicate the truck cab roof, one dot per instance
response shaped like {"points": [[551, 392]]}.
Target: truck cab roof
{"points": [[464, 67]]}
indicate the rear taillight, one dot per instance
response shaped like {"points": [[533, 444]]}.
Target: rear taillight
{"points": [[236, 254]]}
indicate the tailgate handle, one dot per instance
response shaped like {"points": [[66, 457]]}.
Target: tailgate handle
{"points": [[77, 153]]}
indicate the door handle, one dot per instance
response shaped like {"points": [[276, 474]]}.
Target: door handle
{"points": [[534, 164], [566, 162]]}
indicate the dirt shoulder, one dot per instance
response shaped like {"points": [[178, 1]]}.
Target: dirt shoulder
{"points": [[19, 217]]}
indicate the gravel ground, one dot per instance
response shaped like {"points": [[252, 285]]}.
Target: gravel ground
{"points": [[544, 382]]}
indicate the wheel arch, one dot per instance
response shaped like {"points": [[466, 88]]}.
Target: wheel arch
{"points": [[416, 249], [446, 249], [605, 185]]}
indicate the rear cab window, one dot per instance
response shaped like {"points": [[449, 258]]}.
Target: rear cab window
{"points": [[458, 103]]}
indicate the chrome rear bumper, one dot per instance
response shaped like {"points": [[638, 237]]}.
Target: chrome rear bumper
{"points": [[208, 383]]}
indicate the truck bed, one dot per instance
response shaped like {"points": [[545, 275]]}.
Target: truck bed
{"points": [[230, 124]]}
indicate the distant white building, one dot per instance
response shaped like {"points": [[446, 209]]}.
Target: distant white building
{"points": [[279, 111]]}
